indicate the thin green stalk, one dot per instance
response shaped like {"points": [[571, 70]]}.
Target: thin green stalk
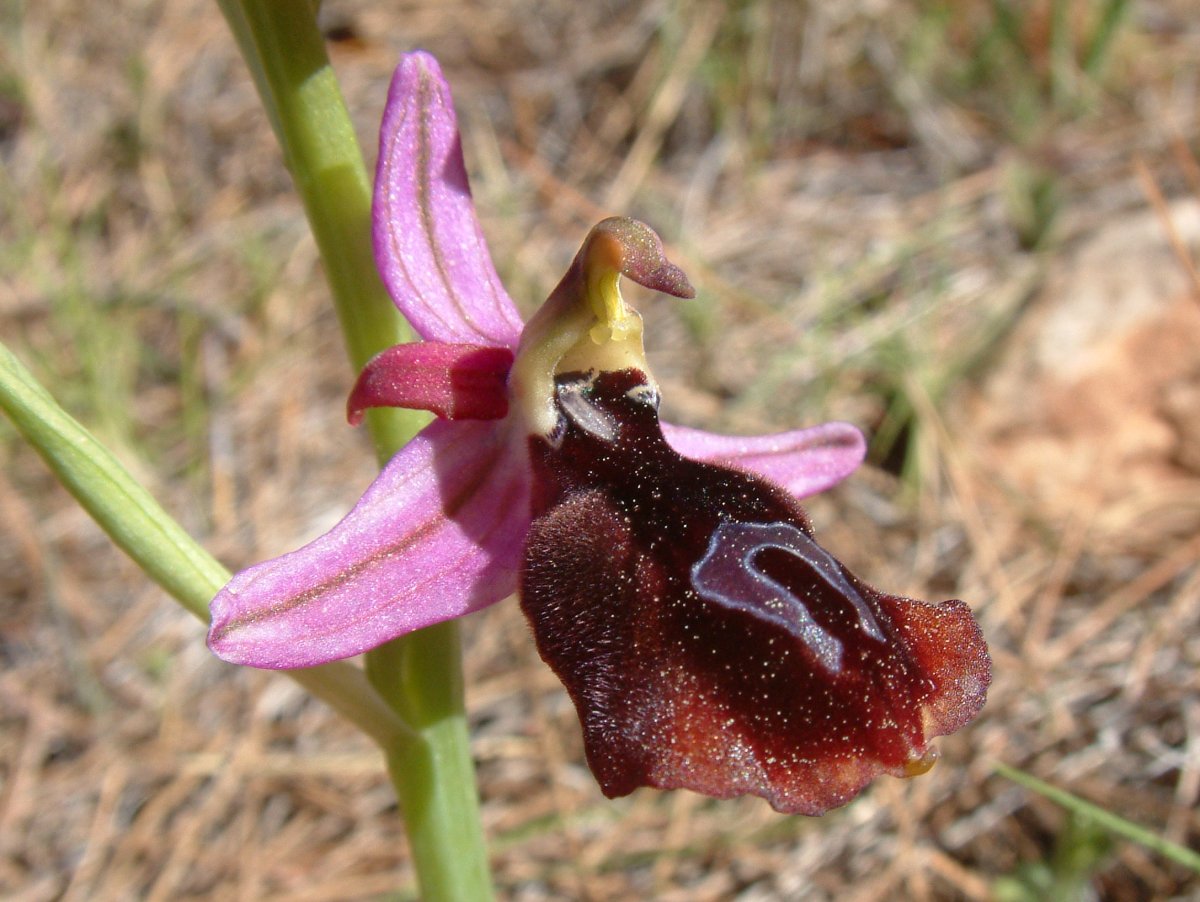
{"points": [[1114, 823], [159, 545], [420, 675], [1112, 14], [1063, 89]]}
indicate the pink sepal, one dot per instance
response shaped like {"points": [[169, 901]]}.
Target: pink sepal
{"points": [[436, 536], [428, 244]]}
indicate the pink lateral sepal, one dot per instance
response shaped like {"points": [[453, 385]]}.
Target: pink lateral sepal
{"points": [[436, 536], [455, 381]]}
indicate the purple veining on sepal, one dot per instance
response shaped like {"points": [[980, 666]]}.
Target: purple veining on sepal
{"points": [[436, 536], [428, 243], [803, 461]]}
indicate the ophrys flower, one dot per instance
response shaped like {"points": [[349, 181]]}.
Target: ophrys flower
{"points": [[670, 577]]}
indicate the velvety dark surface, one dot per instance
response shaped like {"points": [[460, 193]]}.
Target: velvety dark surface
{"points": [[707, 641]]}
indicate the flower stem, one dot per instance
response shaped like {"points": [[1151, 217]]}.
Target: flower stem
{"points": [[419, 675], [286, 55]]}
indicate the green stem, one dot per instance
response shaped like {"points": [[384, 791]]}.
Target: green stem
{"points": [[419, 675], [159, 545], [286, 55]]}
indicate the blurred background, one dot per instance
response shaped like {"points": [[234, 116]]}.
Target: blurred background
{"points": [[969, 227]]}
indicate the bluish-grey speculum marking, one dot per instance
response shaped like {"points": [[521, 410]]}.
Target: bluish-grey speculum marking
{"points": [[728, 575], [584, 413]]}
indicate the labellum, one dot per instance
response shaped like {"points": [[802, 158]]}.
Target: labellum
{"points": [[707, 641]]}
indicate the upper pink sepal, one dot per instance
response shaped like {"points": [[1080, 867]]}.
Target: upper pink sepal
{"points": [[428, 243], [457, 382], [804, 461], [436, 536]]}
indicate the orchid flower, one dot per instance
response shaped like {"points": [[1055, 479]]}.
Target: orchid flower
{"points": [[669, 574]]}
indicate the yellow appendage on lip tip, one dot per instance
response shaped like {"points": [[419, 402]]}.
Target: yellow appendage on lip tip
{"points": [[915, 767]]}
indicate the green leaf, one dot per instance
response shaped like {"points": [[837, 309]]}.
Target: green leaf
{"points": [[157, 543], [122, 507]]}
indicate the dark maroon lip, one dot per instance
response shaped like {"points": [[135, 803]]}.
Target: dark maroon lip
{"points": [[707, 640]]}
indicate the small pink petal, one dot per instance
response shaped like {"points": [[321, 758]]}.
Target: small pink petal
{"points": [[428, 244], [457, 382], [436, 536], [804, 462]]}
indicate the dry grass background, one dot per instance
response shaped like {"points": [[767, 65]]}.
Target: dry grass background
{"points": [[883, 203]]}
